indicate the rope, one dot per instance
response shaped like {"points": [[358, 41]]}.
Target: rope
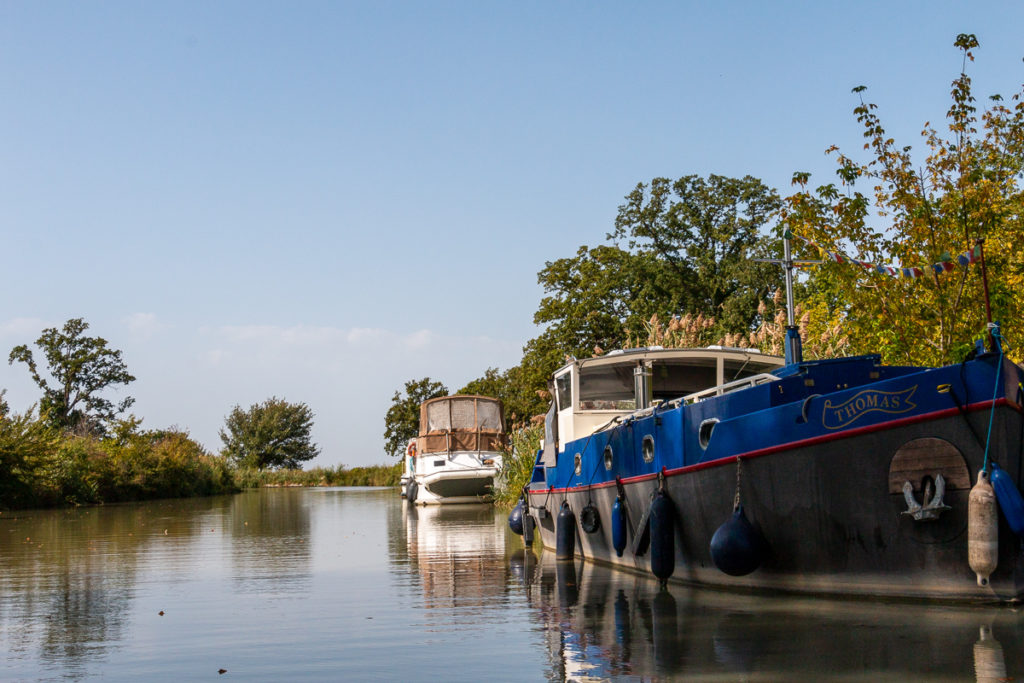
{"points": [[995, 392], [736, 498]]}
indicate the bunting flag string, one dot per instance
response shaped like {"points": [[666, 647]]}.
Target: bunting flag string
{"points": [[945, 264]]}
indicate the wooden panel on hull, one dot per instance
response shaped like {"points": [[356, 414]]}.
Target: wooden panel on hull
{"points": [[928, 457]]}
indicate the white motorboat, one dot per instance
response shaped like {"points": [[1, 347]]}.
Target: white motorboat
{"points": [[458, 452]]}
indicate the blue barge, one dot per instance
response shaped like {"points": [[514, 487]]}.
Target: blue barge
{"points": [[728, 468]]}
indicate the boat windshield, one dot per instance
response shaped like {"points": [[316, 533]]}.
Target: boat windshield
{"points": [[463, 413], [612, 387], [607, 387]]}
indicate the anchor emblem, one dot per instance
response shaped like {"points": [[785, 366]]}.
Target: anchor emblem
{"points": [[930, 509]]}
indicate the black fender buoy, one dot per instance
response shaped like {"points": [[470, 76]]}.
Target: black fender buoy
{"points": [[515, 518], [410, 490], [663, 537], [590, 520], [737, 548], [528, 526], [619, 526], [565, 533]]}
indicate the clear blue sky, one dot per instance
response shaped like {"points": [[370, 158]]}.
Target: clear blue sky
{"points": [[318, 201]]}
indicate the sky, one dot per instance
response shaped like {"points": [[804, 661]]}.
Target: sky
{"points": [[319, 201]]}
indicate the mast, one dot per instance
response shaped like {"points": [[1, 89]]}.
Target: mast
{"points": [[794, 352], [793, 345]]}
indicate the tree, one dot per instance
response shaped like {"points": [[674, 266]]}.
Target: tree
{"points": [[272, 434], [521, 401], [706, 233], [82, 368], [596, 297], [920, 214], [402, 420], [25, 444]]}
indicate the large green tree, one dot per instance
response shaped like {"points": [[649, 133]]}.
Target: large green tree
{"points": [[82, 368], [274, 434], [706, 234], [401, 423], [892, 208], [595, 298]]}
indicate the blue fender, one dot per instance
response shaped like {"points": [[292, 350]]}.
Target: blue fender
{"points": [[1010, 501], [619, 526], [515, 518], [565, 533], [737, 548], [663, 537]]}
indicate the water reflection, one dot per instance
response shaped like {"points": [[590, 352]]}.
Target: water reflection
{"points": [[458, 552], [271, 548], [68, 576], [604, 624], [341, 584]]}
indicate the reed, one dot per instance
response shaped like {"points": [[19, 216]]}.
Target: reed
{"points": [[517, 464], [373, 475]]}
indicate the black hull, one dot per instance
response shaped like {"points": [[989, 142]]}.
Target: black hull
{"points": [[831, 523]]}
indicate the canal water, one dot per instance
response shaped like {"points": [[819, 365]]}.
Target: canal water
{"points": [[351, 584]]}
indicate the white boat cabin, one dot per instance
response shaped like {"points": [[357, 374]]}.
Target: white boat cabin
{"points": [[590, 392]]}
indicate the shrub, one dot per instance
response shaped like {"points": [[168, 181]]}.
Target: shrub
{"points": [[517, 464]]}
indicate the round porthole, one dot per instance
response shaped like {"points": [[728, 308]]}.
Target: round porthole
{"points": [[579, 464], [706, 428], [607, 457], [647, 448]]}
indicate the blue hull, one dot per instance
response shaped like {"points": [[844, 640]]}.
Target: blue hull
{"points": [[823, 454]]}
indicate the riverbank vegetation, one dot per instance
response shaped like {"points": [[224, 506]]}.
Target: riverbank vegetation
{"points": [[517, 464], [374, 475], [42, 466]]}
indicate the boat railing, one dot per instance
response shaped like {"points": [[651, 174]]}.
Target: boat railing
{"points": [[736, 385]]}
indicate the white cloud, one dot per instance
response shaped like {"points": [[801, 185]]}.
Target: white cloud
{"points": [[22, 327], [144, 325]]}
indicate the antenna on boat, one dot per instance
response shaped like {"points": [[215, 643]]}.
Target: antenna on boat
{"points": [[793, 345]]}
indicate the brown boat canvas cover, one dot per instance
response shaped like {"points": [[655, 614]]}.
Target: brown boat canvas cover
{"points": [[461, 423]]}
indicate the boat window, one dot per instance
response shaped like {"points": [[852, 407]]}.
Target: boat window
{"points": [[648, 448], [607, 387], [579, 464], [680, 377], [738, 369], [438, 417], [706, 428], [608, 457], [563, 387], [488, 415]]}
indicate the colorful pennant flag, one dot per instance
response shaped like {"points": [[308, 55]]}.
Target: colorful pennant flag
{"points": [[945, 264]]}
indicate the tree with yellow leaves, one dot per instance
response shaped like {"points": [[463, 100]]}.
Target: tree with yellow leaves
{"points": [[964, 198]]}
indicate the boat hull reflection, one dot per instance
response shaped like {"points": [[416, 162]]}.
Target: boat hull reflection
{"points": [[603, 624], [458, 551]]}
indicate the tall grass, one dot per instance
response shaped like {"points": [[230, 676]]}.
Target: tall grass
{"points": [[517, 464], [374, 475]]}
